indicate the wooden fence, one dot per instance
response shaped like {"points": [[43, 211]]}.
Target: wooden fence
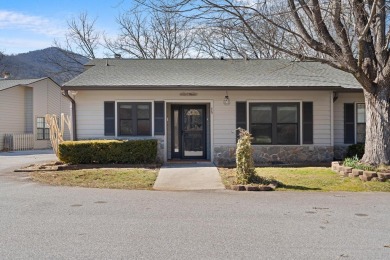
{"points": [[18, 142]]}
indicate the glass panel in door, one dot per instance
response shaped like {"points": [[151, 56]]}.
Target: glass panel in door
{"points": [[193, 131]]}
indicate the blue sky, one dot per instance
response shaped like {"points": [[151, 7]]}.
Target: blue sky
{"points": [[27, 25]]}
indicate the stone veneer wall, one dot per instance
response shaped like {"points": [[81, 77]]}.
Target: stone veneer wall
{"points": [[160, 149], [340, 151], [266, 155]]}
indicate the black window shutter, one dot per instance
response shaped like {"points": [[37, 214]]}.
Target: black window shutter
{"points": [[240, 115], [307, 122], [159, 122], [109, 118], [349, 123]]}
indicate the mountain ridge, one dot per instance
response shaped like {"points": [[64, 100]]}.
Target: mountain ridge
{"points": [[53, 62]]}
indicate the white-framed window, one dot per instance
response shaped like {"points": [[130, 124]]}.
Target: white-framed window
{"points": [[43, 132], [360, 123], [134, 118], [274, 123]]}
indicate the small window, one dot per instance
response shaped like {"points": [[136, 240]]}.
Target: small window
{"points": [[134, 119], [43, 132], [274, 123], [360, 123]]}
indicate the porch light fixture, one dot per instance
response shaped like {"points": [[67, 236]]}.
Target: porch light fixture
{"points": [[335, 96], [226, 100]]}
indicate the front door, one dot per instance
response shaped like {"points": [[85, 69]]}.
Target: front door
{"points": [[189, 131]]}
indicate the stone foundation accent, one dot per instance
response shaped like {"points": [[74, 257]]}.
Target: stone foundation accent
{"points": [[340, 151], [160, 150], [274, 155]]}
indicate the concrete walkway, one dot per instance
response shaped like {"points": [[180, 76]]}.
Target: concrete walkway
{"points": [[193, 176]]}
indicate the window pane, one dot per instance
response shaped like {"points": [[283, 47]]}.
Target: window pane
{"points": [[46, 134], [262, 134], [126, 127], [360, 133], [361, 113], [143, 112], [287, 134], [40, 122], [125, 111], [287, 114], [261, 113], [143, 127], [39, 134]]}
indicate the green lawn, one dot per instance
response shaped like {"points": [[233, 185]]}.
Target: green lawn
{"points": [[309, 179], [132, 178]]}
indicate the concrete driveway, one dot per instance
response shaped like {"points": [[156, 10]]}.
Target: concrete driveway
{"points": [[13, 160]]}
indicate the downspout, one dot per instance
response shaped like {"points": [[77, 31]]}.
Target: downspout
{"points": [[74, 132]]}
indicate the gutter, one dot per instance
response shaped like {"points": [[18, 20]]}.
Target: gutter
{"points": [[74, 126], [195, 88]]}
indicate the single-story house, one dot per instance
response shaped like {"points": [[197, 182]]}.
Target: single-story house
{"points": [[297, 112], [23, 106]]}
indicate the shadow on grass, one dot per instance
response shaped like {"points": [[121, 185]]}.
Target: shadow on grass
{"points": [[296, 187], [266, 181]]}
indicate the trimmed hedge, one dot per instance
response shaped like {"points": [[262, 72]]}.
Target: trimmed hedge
{"points": [[109, 151], [355, 150]]}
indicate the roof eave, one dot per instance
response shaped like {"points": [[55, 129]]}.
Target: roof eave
{"points": [[190, 87]]}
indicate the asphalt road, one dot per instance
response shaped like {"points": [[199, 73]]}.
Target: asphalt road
{"points": [[44, 222]]}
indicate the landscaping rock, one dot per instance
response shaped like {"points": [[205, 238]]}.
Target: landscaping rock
{"points": [[252, 188], [273, 185], [370, 174], [381, 179], [344, 171], [364, 178], [347, 169], [335, 166], [374, 179], [384, 175], [356, 173], [238, 187], [265, 188]]}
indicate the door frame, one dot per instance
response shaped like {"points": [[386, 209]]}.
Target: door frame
{"points": [[180, 155]]}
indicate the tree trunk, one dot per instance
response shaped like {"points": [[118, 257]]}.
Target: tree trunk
{"points": [[377, 147]]}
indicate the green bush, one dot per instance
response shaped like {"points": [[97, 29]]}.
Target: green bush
{"points": [[355, 150], [108, 152], [355, 163], [351, 161], [245, 170]]}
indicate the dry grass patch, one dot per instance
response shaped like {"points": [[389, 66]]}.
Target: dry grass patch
{"points": [[309, 179], [127, 178]]}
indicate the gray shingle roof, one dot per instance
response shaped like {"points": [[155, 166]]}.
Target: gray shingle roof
{"points": [[213, 74], [10, 83]]}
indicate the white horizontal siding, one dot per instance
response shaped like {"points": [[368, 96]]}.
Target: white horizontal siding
{"points": [[18, 111], [12, 119], [90, 109], [339, 113], [48, 99]]}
